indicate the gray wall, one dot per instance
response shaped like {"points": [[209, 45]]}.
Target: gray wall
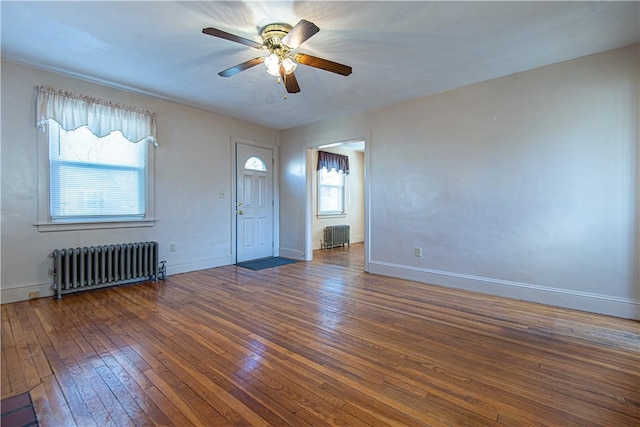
{"points": [[523, 186], [192, 166]]}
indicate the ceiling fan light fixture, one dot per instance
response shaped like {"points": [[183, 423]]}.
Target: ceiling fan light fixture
{"points": [[272, 64], [289, 65]]}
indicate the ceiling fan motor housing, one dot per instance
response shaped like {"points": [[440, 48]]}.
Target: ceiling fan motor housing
{"points": [[273, 34]]}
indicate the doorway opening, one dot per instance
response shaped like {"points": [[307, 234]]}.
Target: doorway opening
{"points": [[337, 199]]}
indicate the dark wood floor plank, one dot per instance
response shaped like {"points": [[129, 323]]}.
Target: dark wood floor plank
{"points": [[40, 363], [11, 354], [104, 406], [173, 413], [73, 396], [50, 405], [207, 392], [204, 391], [267, 408], [5, 385], [175, 396], [316, 343], [128, 389]]}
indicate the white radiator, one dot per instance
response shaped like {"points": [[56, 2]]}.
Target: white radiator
{"points": [[94, 267]]}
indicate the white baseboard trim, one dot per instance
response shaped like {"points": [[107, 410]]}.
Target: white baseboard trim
{"points": [[197, 264], [292, 253], [21, 291], [585, 301]]}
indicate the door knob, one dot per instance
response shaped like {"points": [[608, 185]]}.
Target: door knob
{"points": [[239, 212]]}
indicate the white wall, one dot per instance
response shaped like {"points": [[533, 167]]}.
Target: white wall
{"points": [[524, 186], [192, 165], [293, 188], [354, 200]]}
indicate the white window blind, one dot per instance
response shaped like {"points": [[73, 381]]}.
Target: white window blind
{"points": [[331, 200], [93, 178]]}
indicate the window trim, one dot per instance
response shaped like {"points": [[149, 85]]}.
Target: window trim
{"points": [[45, 223], [331, 214]]}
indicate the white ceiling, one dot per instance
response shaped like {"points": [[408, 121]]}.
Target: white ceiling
{"points": [[398, 50]]}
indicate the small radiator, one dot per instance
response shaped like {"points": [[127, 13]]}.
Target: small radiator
{"points": [[95, 267], [336, 235]]}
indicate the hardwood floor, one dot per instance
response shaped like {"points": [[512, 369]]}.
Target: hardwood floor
{"points": [[317, 343]]}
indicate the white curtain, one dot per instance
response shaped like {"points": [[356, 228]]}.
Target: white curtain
{"points": [[72, 111]]}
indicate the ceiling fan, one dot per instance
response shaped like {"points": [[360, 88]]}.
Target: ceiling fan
{"points": [[280, 40]]}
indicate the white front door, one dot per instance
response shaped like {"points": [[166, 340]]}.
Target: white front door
{"points": [[254, 202]]}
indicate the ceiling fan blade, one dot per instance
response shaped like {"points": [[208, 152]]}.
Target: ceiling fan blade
{"points": [[300, 33], [241, 67], [290, 81], [323, 64], [232, 37]]}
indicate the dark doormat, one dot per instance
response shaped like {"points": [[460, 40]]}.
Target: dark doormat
{"points": [[259, 264], [17, 411]]}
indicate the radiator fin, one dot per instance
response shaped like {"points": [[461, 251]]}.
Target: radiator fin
{"points": [[336, 235], [79, 269]]}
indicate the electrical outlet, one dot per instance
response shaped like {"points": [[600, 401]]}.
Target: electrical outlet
{"points": [[33, 295], [418, 252], [172, 247], [221, 194]]}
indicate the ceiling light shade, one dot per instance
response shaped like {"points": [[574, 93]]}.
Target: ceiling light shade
{"points": [[289, 65], [272, 63]]}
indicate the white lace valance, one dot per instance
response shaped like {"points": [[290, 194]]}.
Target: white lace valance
{"points": [[72, 111]]}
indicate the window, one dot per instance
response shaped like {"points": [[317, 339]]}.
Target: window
{"points": [[255, 164], [331, 192], [93, 178], [95, 163], [332, 170]]}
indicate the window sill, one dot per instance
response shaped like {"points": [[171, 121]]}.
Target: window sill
{"points": [[46, 227], [327, 216]]}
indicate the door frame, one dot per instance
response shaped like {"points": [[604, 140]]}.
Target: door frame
{"points": [[308, 201], [234, 187]]}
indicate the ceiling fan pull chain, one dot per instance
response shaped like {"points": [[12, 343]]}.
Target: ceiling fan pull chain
{"points": [[278, 80]]}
